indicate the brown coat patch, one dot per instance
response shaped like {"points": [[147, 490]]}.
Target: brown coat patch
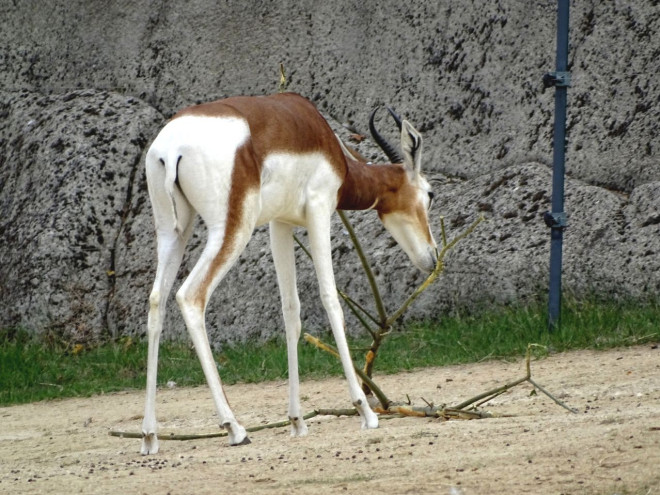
{"points": [[365, 184], [284, 122], [245, 178]]}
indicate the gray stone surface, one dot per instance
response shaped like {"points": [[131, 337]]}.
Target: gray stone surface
{"points": [[85, 85], [469, 74], [70, 168]]}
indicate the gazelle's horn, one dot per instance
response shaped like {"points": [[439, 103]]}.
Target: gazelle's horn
{"points": [[396, 118], [387, 148]]}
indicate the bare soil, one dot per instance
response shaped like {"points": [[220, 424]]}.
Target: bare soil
{"points": [[611, 446]]}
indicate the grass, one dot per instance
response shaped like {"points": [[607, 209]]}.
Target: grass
{"points": [[34, 370]]}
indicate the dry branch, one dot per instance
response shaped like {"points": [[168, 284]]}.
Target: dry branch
{"points": [[380, 307], [439, 268], [217, 434], [491, 394], [454, 412], [382, 398], [392, 410]]}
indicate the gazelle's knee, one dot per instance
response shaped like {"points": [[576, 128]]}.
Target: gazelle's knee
{"points": [[182, 298], [154, 299], [155, 316], [190, 304], [291, 306], [156, 305], [330, 302], [293, 329]]}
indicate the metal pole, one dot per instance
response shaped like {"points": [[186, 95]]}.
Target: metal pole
{"points": [[556, 220]]}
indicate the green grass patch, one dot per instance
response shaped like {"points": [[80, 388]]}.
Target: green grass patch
{"points": [[35, 370], [506, 332]]}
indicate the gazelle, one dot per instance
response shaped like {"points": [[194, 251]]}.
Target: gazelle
{"points": [[246, 161]]}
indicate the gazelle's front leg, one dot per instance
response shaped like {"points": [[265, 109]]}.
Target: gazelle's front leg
{"points": [[319, 237], [281, 240]]}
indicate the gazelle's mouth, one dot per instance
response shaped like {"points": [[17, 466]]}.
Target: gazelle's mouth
{"points": [[427, 263]]}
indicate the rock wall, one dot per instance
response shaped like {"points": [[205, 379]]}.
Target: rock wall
{"points": [[85, 86]]}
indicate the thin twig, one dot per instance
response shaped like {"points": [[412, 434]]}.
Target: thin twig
{"points": [[365, 265], [449, 413], [487, 399], [557, 401], [358, 306], [495, 391], [403, 411], [491, 394], [302, 246], [217, 434], [382, 398], [442, 230], [439, 267], [321, 345], [358, 311], [283, 80], [337, 412]]}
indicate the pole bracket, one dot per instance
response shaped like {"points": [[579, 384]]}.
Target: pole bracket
{"points": [[557, 79], [555, 220]]}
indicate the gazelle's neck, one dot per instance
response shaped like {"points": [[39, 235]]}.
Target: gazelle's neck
{"points": [[365, 185]]}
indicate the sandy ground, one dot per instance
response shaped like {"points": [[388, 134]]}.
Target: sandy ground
{"points": [[611, 446]]}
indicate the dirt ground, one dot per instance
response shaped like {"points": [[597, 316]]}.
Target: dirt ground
{"points": [[611, 446]]}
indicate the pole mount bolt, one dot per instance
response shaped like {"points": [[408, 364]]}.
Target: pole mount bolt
{"points": [[557, 79], [555, 220]]}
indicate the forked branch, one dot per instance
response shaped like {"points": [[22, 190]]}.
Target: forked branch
{"points": [[460, 411]]}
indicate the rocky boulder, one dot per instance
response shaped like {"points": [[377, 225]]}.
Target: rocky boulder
{"points": [[72, 184]]}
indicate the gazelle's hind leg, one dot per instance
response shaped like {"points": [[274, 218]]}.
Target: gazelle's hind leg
{"points": [[220, 253], [170, 253], [281, 240]]}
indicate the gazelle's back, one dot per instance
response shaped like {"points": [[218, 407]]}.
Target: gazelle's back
{"points": [[284, 122]]}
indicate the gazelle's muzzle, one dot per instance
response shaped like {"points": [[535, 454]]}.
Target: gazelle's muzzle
{"points": [[428, 262]]}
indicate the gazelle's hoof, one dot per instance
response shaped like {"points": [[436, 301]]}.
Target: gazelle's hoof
{"points": [[367, 416], [236, 433], [369, 421], [298, 427], [245, 441], [149, 444]]}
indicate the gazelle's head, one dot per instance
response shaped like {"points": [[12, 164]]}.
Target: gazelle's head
{"points": [[404, 208]]}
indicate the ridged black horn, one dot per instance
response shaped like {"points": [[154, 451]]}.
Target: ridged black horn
{"points": [[396, 118], [387, 148]]}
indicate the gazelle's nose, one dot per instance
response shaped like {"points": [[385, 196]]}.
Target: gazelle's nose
{"points": [[427, 263]]}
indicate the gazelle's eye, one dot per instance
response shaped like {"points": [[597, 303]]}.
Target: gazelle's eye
{"points": [[431, 198]]}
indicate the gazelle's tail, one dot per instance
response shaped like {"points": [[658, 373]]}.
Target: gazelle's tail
{"points": [[171, 179]]}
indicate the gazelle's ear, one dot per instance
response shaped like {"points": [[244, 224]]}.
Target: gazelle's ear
{"points": [[411, 145]]}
